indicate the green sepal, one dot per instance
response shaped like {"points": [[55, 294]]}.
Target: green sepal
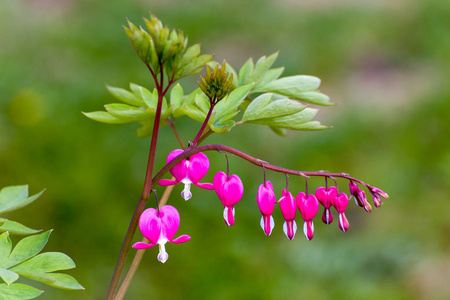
{"points": [[129, 113], [18, 291], [27, 248], [105, 117], [8, 276], [126, 96], [15, 197], [16, 228]]}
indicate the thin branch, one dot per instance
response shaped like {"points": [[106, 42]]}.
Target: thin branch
{"points": [[171, 125]]}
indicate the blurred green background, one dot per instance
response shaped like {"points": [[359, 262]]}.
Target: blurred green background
{"points": [[386, 64]]}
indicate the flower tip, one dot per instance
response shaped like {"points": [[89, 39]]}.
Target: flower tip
{"points": [[228, 215], [186, 193], [290, 228], [327, 216], [163, 257], [308, 230], [267, 224]]}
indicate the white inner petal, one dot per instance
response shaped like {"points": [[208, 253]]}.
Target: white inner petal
{"points": [[262, 223], [163, 255], [186, 193], [305, 230], [225, 215], [272, 224], [285, 228]]}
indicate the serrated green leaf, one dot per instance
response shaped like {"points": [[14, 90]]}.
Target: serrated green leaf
{"points": [[271, 75], [45, 262], [15, 197], [245, 72], [194, 113], [277, 108], [279, 131], [314, 98], [176, 96], [58, 280], [28, 247], [18, 291], [262, 66], [127, 112], [105, 117], [291, 86], [16, 228], [5, 249], [8, 276], [125, 96], [222, 128]]}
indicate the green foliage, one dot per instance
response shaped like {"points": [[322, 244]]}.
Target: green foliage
{"points": [[25, 260], [216, 84]]}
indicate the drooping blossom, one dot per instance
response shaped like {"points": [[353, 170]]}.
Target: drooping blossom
{"points": [[308, 206], [266, 201], [325, 197], [230, 190], [160, 228], [340, 203], [360, 196], [376, 194], [188, 171], [288, 207]]}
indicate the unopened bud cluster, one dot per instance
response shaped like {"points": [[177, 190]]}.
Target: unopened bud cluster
{"points": [[216, 84]]}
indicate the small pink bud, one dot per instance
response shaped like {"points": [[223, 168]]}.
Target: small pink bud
{"points": [[378, 191], [308, 206], [360, 196], [230, 191], [325, 197], [288, 208], [266, 201]]}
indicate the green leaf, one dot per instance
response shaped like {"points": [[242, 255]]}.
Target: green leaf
{"points": [[45, 262], [202, 102], [146, 128], [5, 249], [125, 96], [262, 66], [194, 113], [298, 121], [271, 75], [127, 112], [16, 228], [176, 96], [28, 247], [8, 276], [222, 128], [277, 108], [314, 98], [105, 117], [194, 67], [279, 131], [150, 98], [15, 197], [58, 280], [232, 101], [190, 54], [18, 291], [246, 72]]}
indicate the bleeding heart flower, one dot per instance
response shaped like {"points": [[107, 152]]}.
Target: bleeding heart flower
{"points": [[230, 190], [340, 203], [188, 171], [360, 196], [266, 201], [325, 197], [288, 208], [308, 206], [160, 228]]}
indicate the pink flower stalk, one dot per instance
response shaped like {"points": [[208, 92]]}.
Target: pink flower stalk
{"points": [[288, 208], [340, 203], [188, 171], [360, 196], [230, 190], [308, 206], [325, 197], [266, 201], [160, 228]]}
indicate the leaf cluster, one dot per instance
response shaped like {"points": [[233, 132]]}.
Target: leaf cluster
{"points": [[25, 260], [216, 84]]}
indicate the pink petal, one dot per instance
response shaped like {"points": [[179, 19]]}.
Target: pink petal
{"points": [[308, 206], [325, 196], [219, 179], [343, 222], [266, 198], [179, 171], [308, 230], [142, 245], [288, 205], [150, 225], [341, 202], [205, 185], [166, 182], [228, 215], [327, 217], [290, 228], [198, 167], [181, 239], [267, 224], [170, 221], [230, 190]]}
